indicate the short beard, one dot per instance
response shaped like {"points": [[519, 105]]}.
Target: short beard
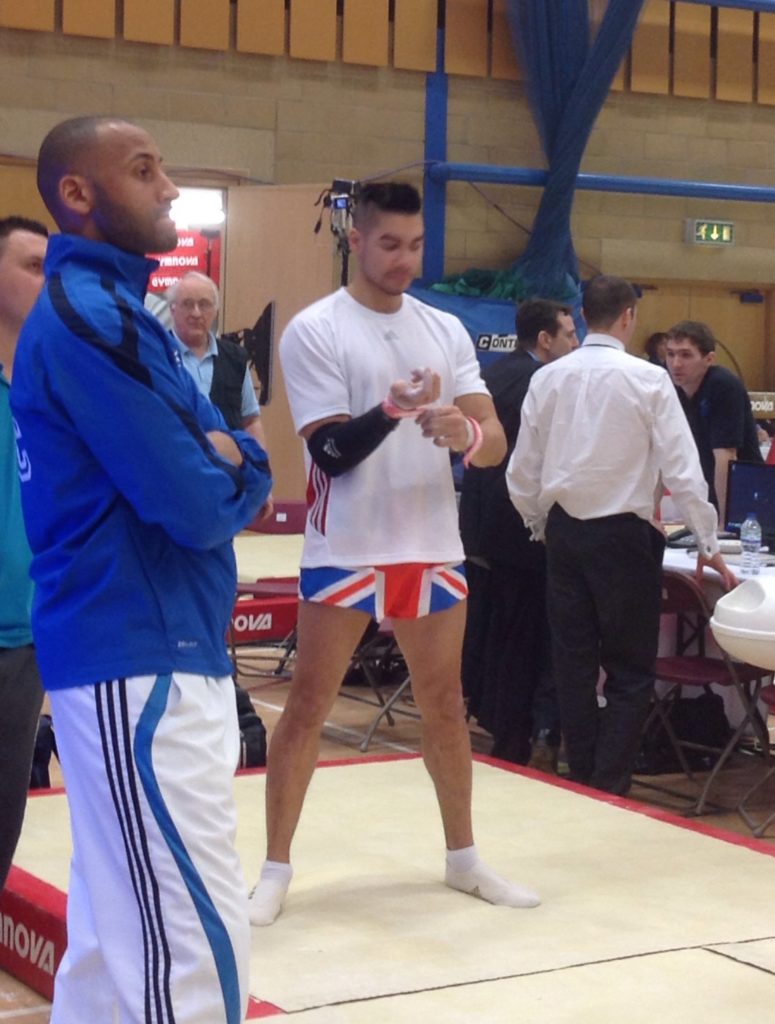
{"points": [[120, 229]]}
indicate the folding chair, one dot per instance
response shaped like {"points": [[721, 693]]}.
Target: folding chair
{"points": [[683, 598], [379, 659], [265, 614], [767, 695]]}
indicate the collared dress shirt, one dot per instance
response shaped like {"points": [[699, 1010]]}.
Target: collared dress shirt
{"points": [[599, 428]]}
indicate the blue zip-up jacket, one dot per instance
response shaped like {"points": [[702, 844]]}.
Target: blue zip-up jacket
{"points": [[129, 510]]}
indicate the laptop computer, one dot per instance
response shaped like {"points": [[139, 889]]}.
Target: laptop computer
{"points": [[751, 488]]}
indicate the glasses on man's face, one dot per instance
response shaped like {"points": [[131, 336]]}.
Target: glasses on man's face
{"points": [[189, 305]]}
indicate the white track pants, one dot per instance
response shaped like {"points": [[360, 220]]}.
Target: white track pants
{"points": [[157, 907]]}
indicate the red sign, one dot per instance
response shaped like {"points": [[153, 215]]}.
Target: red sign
{"points": [[194, 252], [263, 619]]}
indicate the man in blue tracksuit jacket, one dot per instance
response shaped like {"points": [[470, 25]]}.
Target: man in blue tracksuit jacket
{"points": [[133, 488]]}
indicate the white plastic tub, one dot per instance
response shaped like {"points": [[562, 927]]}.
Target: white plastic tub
{"points": [[743, 622]]}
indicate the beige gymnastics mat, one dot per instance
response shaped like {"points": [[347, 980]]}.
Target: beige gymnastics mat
{"points": [[756, 954], [685, 987], [264, 555], [368, 917]]}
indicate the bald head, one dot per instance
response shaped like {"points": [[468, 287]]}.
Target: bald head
{"points": [[102, 178], [64, 150], [194, 306], [193, 277]]}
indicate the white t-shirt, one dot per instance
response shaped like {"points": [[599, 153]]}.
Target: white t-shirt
{"points": [[398, 505]]}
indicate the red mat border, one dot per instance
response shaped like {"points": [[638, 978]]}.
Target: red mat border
{"points": [[32, 930], [629, 804], [32, 912], [626, 803]]}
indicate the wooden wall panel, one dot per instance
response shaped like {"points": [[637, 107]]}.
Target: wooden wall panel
{"points": [[658, 309], [503, 56], [465, 39], [734, 55], [261, 26], [272, 255], [765, 70], [31, 14], [619, 83], [691, 51], [19, 193], [204, 24], [95, 18], [740, 325], [150, 21], [366, 32], [650, 54], [415, 34], [313, 29]]}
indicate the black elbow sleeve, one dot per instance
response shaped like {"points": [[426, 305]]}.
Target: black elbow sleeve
{"points": [[339, 447]]}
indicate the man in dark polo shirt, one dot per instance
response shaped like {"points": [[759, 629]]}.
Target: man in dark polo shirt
{"points": [[716, 404]]}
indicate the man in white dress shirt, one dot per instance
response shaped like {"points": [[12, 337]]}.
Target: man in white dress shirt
{"points": [[601, 431]]}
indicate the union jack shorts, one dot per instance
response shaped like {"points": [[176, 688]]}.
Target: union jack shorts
{"points": [[409, 590]]}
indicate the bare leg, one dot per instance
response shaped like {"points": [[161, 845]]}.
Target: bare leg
{"points": [[432, 647], [327, 637]]}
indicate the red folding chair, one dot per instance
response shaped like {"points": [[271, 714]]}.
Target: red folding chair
{"points": [[379, 660], [265, 614], [767, 695], [683, 598]]}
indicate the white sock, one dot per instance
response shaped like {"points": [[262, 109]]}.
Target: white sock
{"points": [[463, 859], [277, 870], [467, 873], [266, 900]]}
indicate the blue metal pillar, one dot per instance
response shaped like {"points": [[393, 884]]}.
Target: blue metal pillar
{"points": [[435, 191], [745, 5], [603, 182]]}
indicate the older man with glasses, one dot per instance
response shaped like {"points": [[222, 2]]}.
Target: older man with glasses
{"points": [[220, 368]]}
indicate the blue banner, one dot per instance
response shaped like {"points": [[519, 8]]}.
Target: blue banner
{"points": [[490, 322]]}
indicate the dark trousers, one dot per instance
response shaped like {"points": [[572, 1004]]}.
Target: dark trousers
{"points": [[506, 673], [21, 695], [604, 589]]}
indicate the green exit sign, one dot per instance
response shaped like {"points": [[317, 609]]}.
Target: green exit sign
{"points": [[710, 232]]}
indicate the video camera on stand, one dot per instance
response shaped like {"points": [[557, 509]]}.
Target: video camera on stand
{"points": [[340, 200]]}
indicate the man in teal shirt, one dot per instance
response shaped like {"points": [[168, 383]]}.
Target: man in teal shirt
{"points": [[22, 250]]}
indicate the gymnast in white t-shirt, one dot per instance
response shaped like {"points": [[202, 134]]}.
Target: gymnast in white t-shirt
{"points": [[382, 388]]}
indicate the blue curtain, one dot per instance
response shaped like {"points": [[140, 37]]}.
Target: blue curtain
{"points": [[569, 70]]}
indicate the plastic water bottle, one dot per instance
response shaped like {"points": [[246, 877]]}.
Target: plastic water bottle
{"points": [[750, 542]]}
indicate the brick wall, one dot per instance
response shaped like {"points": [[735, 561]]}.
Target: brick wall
{"points": [[291, 121]]}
